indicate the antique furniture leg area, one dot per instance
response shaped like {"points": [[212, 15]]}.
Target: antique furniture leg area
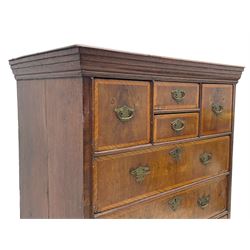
{"points": [[108, 134]]}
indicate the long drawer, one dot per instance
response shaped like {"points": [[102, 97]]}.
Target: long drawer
{"points": [[122, 178], [202, 201]]}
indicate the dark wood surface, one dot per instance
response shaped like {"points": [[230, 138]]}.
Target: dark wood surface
{"points": [[51, 159], [33, 151], [114, 64], [231, 153], [163, 99], [216, 94], [112, 177], [188, 207], [65, 147], [76, 155], [163, 130], [110, 132], [88, 149]]}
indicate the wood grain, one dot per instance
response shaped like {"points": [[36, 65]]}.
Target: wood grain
{"points": [[51, 148], [107, 63], [163, 130], [65, 146], [87, 85], [33, 153], [115, 186], [187, 209], [210, 122], [110, 132], [163, 99]]}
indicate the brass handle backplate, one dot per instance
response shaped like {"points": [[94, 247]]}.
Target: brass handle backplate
{"points": [[178, 95], [177, 125], [140, 172], [205, 158], [217, 108], [124, 113], [176, 153], [203, 201], [174, 203]]}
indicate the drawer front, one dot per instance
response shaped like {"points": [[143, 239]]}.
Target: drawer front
{"points": [[174, 96], [175, 126], [121, 113], [122, 178], [216, 109], [200, 202]]}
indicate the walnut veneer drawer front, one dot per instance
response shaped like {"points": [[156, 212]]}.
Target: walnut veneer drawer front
{"points": [[122, 113], [134, 175], [216, 108], [175, 126], [202, 201], [174, 96], [108, 134]]}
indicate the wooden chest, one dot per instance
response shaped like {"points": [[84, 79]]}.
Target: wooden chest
{"points": [[106, 134]]}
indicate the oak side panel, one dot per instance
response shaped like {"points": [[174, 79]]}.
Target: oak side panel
{"points": [[231, 153], [65, 147], [87, 146], [33, 155]]}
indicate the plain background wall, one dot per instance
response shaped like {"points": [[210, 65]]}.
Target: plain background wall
{"points": [[215, 31]]}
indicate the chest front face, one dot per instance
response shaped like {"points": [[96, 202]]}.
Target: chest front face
{"points": [[187, 130]]}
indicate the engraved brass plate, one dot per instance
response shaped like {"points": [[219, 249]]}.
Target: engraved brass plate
{"points": [[217, 108], [174, 203], [178, 95], [177, 125], [203, 201], [140, 172], [176, 153], [206, 158], [124, 113]]}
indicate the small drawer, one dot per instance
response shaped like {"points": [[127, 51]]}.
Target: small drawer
{"points": [[175, 126], [176, 96], [121, 113], [216, 108], [122, 178], [200, 202]]}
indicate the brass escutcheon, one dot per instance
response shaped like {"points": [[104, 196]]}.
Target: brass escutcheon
{"points": [[178, 95], [174, 203], [217, 108], [176, 153], [124, 113], [177, 125], [140, 172], [205, 158], [203, 201]]}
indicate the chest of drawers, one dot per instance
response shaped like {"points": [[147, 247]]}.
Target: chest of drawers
{"points": [[107, 134]]}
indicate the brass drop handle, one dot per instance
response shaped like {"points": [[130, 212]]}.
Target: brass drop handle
{"points": [[178, 95], [177, 125], [124, 113], [176, 153], [203, 201], [140, 172], [206, 158], [174, 203], [217, 108]]}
